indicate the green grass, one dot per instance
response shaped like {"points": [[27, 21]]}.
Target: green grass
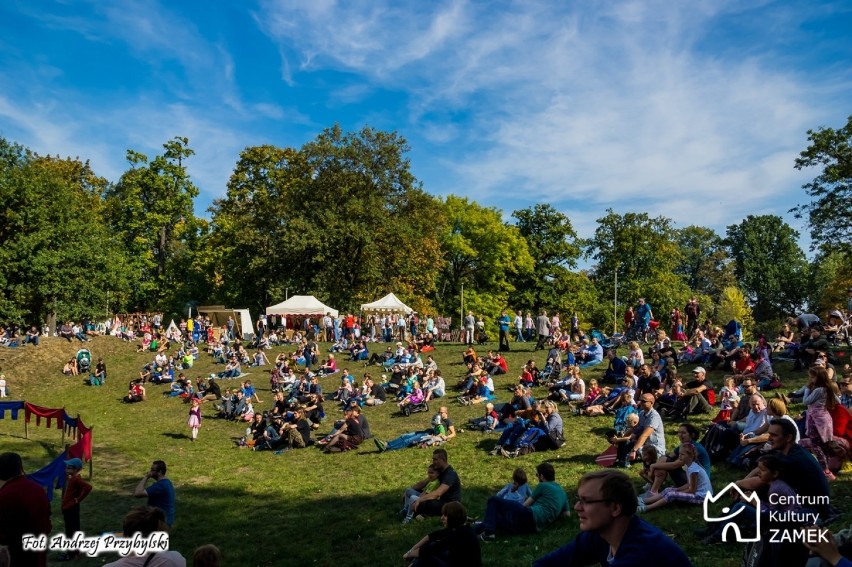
{"points": [[302, 506]]}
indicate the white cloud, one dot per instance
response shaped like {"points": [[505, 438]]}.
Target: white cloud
{"points": [[607, 105]]}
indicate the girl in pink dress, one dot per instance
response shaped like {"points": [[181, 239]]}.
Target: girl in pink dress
{"points": [[194, 421]]}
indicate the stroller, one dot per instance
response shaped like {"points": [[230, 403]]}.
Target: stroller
{"points": [[84, 361], [839, 329], [614, 341], [409, 409]]}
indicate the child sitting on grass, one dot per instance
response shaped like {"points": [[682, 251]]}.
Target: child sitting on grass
{"points": [[489, 422], [649, 457], [696, 488], [517, 490]]}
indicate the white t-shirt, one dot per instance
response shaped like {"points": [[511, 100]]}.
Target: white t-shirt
{"points": [[704, 487]]}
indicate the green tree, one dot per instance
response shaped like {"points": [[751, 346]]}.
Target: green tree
{"points": [[733, 305], [151, 210], [769, 264], [645, 253], [251, 232], [344, 214], [481, 253], [554, 247], [830, 210], [705, 265], [56, 253]]}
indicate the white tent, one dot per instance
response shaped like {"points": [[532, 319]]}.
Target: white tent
{"points": [[219, 314], [388, 304], [301, 305]]}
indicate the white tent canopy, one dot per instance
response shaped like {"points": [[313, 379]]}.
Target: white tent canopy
{"points": [[219, 314], [301, 305], [388, 304]]}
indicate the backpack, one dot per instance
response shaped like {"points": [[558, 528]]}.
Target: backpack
{"points": [[526, 443]]}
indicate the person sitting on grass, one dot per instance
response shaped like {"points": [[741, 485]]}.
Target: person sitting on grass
{"points": [[518, 490], [611, 533], [70, 368], [483, 392], [487, 422], [455, 544], [232, 368], [415, 492], [672, 465], [692, 492], [435, 387], [547, 502], [449, 489], [135, 393], [349, 436]]}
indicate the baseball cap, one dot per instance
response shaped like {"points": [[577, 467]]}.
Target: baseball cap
{"points": [[699, 370], [76, 463]]}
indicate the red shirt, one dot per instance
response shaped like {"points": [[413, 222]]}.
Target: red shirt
{"points": [[75, 491], [25, 510]]}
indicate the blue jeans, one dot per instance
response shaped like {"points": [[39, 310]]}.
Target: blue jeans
{"points": [[520, 333], [511, 434], [406, 440], [508, 516], [33, 340]]}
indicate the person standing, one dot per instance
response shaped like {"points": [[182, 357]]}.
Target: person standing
{"points": [[230, 325], [542, 324], [519, 327], [161, 494], [194, 421], [469, 326], [76, 490], [575, 327], [503, 325], [692, 311], [644, 314], [24, 509]]}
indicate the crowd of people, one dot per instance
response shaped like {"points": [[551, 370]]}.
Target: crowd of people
{"points": [[752, 430]]}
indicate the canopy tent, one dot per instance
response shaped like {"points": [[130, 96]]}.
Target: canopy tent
{"points": [[301, 305], [388, 304], [218, 314]]}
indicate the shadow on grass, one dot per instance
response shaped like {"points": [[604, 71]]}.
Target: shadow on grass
{"points": [[175, 435]]}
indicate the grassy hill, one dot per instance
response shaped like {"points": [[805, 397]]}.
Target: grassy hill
{"points": [[302, 506]]}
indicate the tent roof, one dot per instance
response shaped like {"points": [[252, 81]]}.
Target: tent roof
{"points": [[301, 305], [388, 304]]}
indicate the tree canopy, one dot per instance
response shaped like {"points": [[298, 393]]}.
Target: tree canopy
{"points": [[344, 218], [830, 211]]}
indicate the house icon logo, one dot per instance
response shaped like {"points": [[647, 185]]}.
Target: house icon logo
{"points": [[730, 514]]}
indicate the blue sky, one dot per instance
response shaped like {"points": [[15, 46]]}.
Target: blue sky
{"points": [[693, 110]]}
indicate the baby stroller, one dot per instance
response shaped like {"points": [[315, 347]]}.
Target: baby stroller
{"points": [[614, 341], [482, 337], [84, 360], [409, 409], [839, 329]]}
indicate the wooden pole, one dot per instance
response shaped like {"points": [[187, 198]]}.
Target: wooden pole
{"points": [[92, 454]]}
